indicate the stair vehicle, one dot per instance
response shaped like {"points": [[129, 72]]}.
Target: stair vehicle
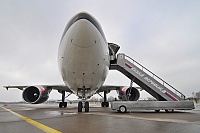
{"points": [[168, 98]]}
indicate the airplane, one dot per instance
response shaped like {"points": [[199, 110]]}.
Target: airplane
{"points": [[84, 58]]}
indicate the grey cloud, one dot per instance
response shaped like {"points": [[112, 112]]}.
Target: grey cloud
{"points": [[162, 35]]}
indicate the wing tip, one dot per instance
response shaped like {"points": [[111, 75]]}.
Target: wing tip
{"points": [[6, 87]]}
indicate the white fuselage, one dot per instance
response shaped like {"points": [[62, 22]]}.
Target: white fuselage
{"points": [[83, 56]]}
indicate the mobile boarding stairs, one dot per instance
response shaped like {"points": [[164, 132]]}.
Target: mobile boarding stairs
{"points": [[148, 81]]}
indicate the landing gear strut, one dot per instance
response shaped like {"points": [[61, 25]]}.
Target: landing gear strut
{"points": [[105, 103], [63, 104]]}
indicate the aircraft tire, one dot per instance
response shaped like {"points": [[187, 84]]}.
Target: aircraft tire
{"points": [[169, 110], [105, 104], [80, 106], [157, 111], [65, 104], [60, 105], [86, 106]]}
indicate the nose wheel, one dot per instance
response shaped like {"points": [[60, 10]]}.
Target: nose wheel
{"points": [[86, 106], [80, 106]]}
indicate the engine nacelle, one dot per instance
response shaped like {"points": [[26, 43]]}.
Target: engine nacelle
{"points": [[36, 94], [128, 94]]}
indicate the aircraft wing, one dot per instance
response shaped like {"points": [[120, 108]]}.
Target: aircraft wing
{"points": [[13, 86], [54, 87], [112, 87], [109, 88]]}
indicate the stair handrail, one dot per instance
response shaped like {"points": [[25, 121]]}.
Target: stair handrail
{"points": [[154, 75]]}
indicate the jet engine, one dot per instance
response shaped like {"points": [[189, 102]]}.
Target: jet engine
{"points": [[36, 94], [128, 94]]}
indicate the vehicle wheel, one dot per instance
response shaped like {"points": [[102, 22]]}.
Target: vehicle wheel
{"points": [[86, 106], [169, 110], [122, 109], [60, 105], [157, 111], [65, 104], [80, 106]]}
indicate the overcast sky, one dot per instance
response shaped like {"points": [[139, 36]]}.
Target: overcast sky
{"points": [[164, 36]]}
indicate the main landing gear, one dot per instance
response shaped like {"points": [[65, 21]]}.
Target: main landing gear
{"points": [[82, 105], [105, 103], [63, 104]]}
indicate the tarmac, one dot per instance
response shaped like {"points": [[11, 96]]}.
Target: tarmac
{"points": [[26, 118]]}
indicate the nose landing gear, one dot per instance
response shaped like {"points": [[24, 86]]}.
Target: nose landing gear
{"points": [[84, 104]]}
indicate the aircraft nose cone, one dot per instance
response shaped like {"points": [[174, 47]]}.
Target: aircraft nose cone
{"points": [[83, 34]]}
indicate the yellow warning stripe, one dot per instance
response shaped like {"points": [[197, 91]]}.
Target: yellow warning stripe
{"points": [[34, 123]]}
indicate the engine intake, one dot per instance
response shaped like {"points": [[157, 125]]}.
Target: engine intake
{"points": [[35, 94], [129, 94]]}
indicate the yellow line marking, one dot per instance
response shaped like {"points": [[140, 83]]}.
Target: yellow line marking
{"points": [[34, 123]]}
